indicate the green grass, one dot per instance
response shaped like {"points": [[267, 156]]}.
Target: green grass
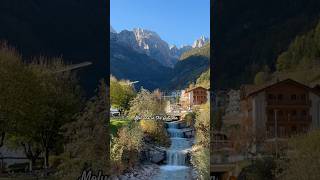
{"points": [[116, 124]]}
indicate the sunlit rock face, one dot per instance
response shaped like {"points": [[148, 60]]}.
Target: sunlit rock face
{"points": [[147, 42], [200, 42]]}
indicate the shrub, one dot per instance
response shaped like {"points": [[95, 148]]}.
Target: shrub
{"points": [[261, 169], [156, 131], [125, 148], [303, 158], [201, 153], [189, 118], [201, 160]]}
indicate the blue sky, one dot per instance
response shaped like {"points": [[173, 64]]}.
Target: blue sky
{"points": [[178, 22]]}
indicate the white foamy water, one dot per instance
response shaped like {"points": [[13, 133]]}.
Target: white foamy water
{"points": [[176, 156]]}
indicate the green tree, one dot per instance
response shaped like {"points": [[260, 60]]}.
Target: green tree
{"points": [[147, 104], [13, 79], [34, 103], [87, 139], [121, 93], [263, 76], [51, 101]]}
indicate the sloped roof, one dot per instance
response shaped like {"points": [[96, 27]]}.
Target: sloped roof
{"points": [[257, 89], [188, 90]]}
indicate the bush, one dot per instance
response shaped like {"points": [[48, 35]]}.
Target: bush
{"points": [[201, 160], [261, 169], [116, 124], [189, 118], [200, 157], [156, 131], [126, 147], [303, 159]]}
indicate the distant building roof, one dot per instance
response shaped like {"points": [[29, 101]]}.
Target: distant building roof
{"points": [[192, 89]]}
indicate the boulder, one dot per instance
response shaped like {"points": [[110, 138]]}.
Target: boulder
{"points": [[157, 156]]}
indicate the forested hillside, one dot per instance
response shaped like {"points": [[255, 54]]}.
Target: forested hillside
{"points": [[190, 68], [250, 34], [301, 61], [126, 63]]}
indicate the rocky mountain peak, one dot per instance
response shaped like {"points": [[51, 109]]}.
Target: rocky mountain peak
{"points": [[150, 43], [200, 42]]}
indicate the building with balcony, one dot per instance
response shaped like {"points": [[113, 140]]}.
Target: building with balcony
{"points": [[194, 96], [280, 109]]}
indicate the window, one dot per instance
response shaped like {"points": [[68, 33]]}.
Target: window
{"points": [[270, 96], [280, 97], [303, 97], [304, 113], [293, 97]]}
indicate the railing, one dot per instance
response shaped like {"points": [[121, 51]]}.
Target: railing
{"points": [[289, 102], [286, 119]]}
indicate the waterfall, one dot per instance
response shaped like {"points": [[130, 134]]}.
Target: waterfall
{"points": [[173, 132], [176, 154], [176, 167], [176, 158]]}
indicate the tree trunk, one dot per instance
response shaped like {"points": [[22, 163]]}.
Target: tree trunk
{"points": [[32, 156], [30, 165], [46, 158]]}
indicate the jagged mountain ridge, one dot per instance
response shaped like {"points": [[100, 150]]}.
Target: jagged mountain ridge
{"points": [[147, 42], [177, 52], [132, 58], [150, 43]]}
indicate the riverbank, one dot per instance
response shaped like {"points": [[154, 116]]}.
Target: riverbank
{"points": [[140, 172]]}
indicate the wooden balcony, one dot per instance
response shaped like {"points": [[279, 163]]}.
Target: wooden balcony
{"points": [[288, 103], [292, 119]]}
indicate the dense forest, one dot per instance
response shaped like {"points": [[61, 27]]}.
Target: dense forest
{"points": [[302, 57], [249, 35]]}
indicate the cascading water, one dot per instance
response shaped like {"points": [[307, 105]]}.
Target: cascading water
{"points": [[176, 155]]}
